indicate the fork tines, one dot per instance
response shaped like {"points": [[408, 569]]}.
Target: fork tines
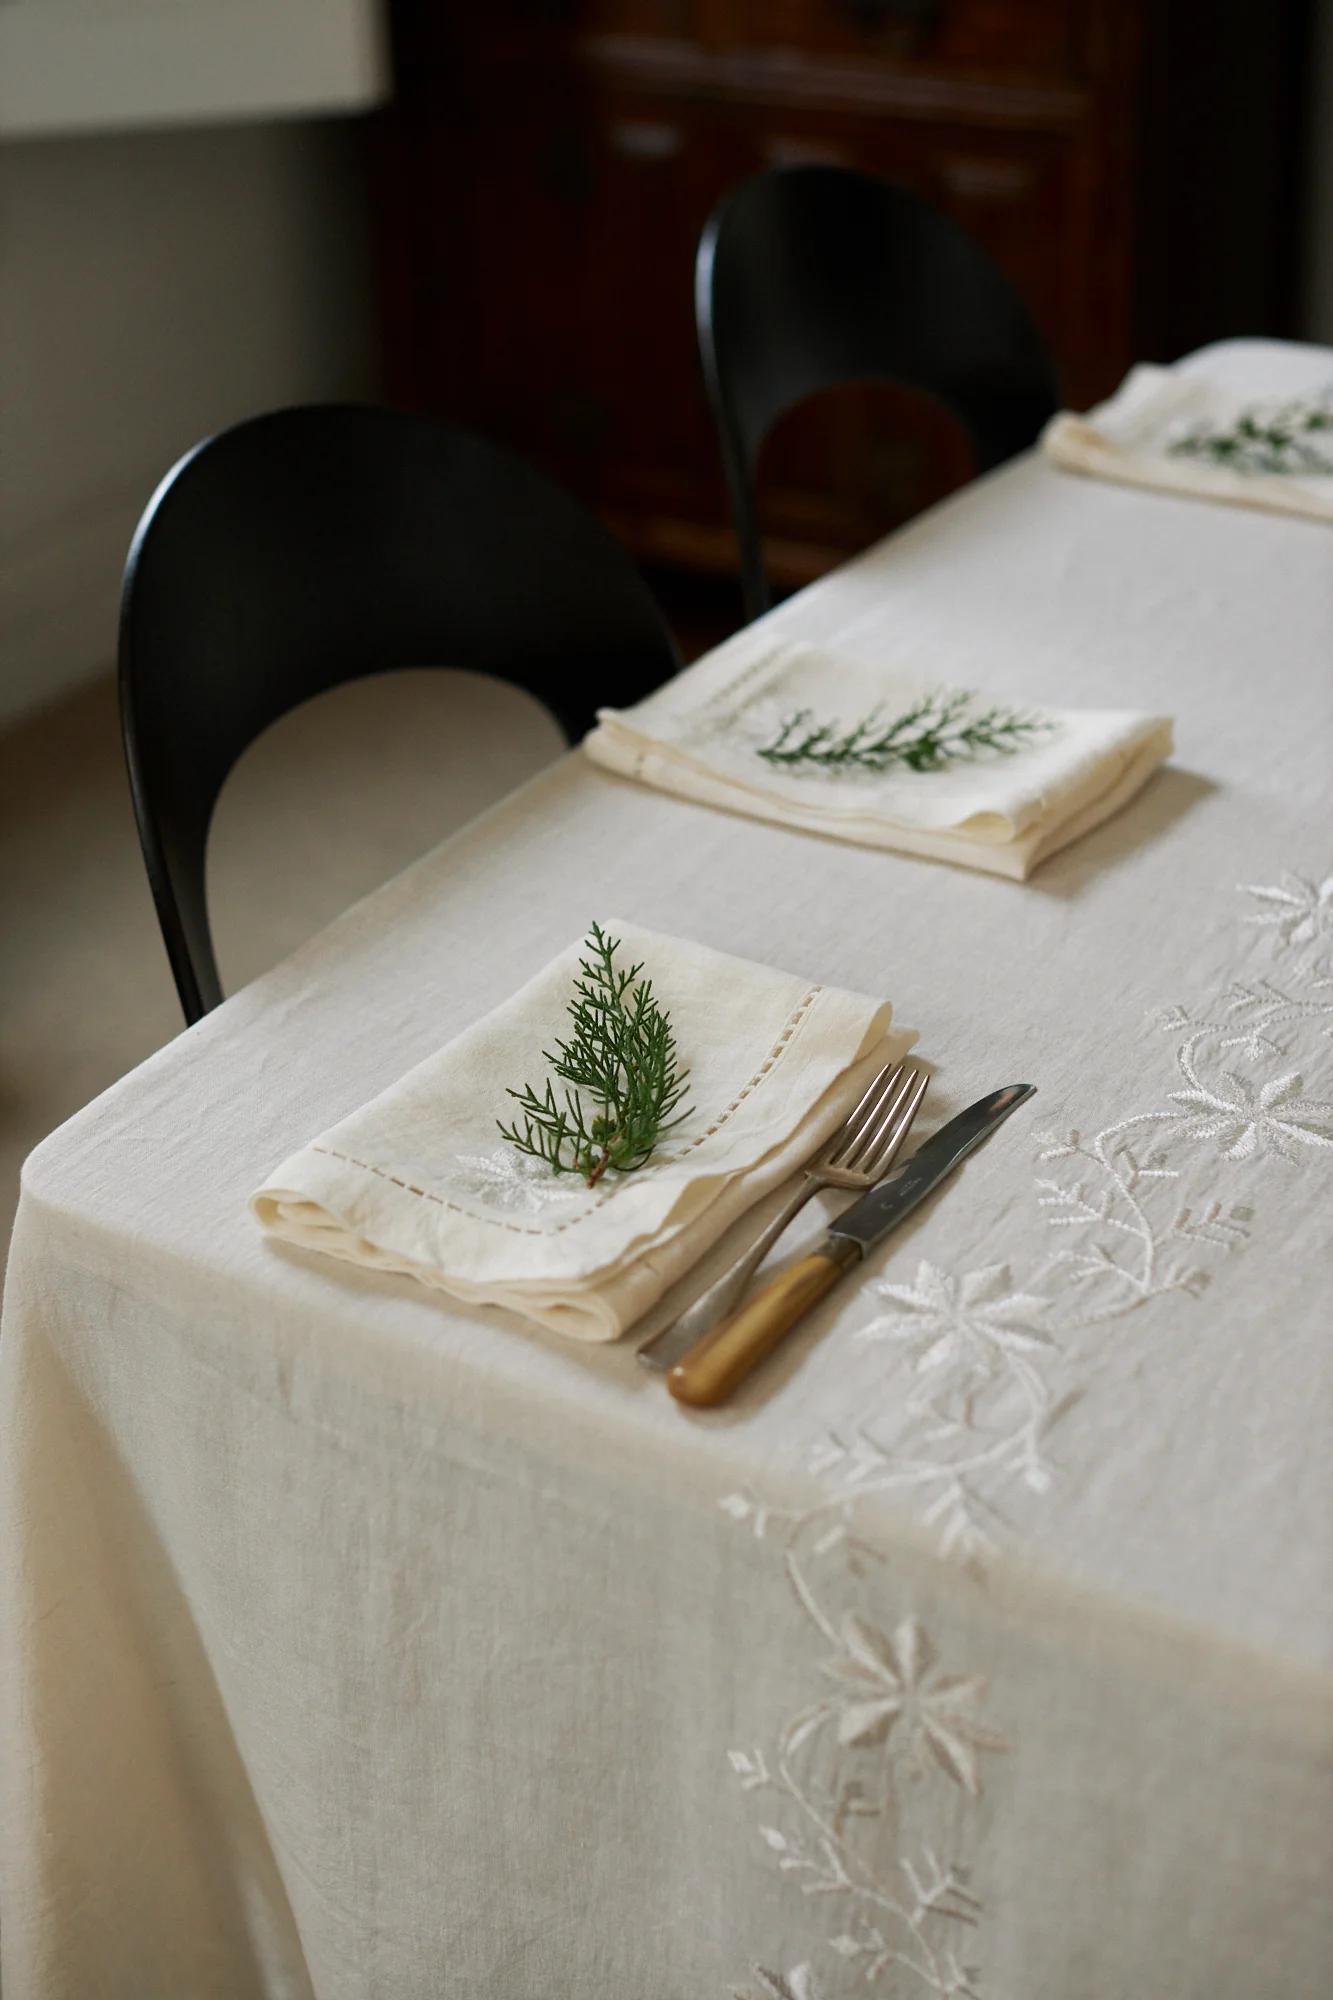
{"points": [[880, 1122]]}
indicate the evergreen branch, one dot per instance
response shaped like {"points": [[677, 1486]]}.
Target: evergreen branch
{"points": [[622, 1052], [935, 731], [1285, 439]]}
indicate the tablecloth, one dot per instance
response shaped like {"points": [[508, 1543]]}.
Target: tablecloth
{"points": [[354, 1645]]}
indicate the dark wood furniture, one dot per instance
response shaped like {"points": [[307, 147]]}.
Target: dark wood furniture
{"points": [[1129, 163]]}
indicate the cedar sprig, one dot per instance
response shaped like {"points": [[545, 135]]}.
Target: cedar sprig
{"points": [[1285, 439], [622, 1053], [935, 731]]}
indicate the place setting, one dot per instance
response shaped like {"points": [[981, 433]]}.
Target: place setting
{"points": [[679, 1087]]}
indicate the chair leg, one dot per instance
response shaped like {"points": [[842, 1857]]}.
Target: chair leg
{"points": [[754, 581]]}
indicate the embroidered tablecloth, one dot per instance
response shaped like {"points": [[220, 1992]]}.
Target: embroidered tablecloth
{"points": [[355, 1646]]}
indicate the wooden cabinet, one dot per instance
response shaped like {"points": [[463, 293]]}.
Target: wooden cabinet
{"points": [[1000, 37], [553, 161]]}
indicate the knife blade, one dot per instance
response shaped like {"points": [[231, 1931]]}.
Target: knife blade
{"points": [[725, 1355], [871, 1218]]}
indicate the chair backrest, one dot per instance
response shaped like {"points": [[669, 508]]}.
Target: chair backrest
{"points": [[811, 276], [310, 547]]}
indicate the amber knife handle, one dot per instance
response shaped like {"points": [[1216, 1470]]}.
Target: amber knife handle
{"points": [[724, 1357]]}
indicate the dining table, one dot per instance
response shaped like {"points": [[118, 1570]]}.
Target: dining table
{"points": [[360, 1643]]}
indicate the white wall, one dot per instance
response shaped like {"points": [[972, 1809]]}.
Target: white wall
{"points": [[153, 287], [93, 65]]}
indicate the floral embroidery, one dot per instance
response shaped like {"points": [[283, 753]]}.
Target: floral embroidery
{"points": [[1248, 1118], [979, 1357], [987, 1354], [798, 1984], [896, 1737], [893, 1684], [1138, 1211], [1301, 911], [974, 1324], [511, 1181]]}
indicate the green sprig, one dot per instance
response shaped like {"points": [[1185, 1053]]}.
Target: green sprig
{"points": [[1282, 440], [622, 1053], [936, 731]]}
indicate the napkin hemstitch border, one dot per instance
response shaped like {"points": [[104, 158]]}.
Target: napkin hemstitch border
{"points": [[719, 697], [766, 1067]]}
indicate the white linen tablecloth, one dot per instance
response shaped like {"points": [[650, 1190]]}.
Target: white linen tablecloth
{"points": [[355, 1644]]}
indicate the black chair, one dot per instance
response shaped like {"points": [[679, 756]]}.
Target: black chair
{"points": [[811, 276], [309, 547]]}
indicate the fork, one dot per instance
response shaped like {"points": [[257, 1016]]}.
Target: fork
{"points": [[860, 1153]]}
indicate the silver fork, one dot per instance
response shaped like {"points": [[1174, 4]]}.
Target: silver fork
{"points": [[860, 1153]]}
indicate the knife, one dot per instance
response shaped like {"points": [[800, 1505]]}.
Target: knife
{"points": [[727, 1353]]}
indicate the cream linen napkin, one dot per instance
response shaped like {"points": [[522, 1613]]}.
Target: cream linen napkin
{"points": [[700, 736], [1130, 437], [420, 1182]]}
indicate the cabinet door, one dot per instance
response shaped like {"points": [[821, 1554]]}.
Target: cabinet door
{"points": [[565, 316], [1033, 38]]}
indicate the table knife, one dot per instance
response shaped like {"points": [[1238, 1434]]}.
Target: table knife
{"points": [[725, 1355]]}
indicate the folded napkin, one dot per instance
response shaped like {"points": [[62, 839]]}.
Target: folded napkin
{"points": [[1218, 433], [701, 737], [419, 1181]]}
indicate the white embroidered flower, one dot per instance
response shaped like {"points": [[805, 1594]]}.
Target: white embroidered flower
{"points": [[513, 1181], [1249, 1122], [973, 1322], [895, 1690], [1298, 910], [798, 1984]]}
